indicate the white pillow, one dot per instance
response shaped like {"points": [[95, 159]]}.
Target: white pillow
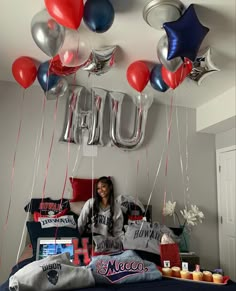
{"points": [[77, 206], [62, 221]]}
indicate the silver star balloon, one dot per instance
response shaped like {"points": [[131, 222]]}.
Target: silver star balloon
{"points": [[203, 67], [100, 60]]}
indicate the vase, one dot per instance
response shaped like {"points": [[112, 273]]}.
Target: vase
{"points": [[183, 235]]}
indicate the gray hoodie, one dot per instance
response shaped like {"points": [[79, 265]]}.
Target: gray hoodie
{"points": [[103, 219], [55, 272]]}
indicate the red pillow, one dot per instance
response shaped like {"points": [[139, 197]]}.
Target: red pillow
{"points": [[82, 188]]}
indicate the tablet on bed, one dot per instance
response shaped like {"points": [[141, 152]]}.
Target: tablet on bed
{"points": [[47, 246]]}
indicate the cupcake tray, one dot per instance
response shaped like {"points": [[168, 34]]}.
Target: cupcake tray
{"points": [[225, 280]]}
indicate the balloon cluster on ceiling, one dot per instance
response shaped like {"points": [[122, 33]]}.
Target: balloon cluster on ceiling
{"points": [[55, 32], [178, 53]]}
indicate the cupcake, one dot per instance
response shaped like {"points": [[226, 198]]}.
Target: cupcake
{"points": [[175, 272], [167, 272], [184, 274], [217, 278], [207, 276], [197, 276]]}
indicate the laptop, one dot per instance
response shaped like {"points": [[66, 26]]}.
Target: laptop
{"points": [[47, 246]]}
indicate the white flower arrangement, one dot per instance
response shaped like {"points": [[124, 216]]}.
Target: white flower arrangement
{"points": [[191, 216]]}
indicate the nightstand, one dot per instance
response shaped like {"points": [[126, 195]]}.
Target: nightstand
{"points": [[191, 259]]}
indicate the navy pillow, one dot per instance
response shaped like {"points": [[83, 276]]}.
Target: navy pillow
{"points": [[35, 231]]}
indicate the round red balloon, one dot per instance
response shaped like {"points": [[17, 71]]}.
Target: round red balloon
{"points": [[174, 79], [56, 67], [68, 13], [138, 75], [24, 71]]}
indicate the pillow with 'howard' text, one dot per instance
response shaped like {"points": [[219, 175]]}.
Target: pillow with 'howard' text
{"points": [[82, 188]]}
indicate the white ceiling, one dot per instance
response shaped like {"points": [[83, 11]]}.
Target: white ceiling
{"points": [[136, 40]]}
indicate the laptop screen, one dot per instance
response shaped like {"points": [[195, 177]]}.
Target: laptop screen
{"points": [[52, 246]]}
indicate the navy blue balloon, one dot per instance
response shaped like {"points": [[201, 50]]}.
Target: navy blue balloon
{"points": [[98, 15], [156, 80], [46, 81], [185, 35]]}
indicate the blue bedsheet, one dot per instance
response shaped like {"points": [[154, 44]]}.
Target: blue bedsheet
{"points": [[160, 285]]}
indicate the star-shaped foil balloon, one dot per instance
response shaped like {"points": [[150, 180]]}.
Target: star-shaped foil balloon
{"points": [[100, 61], [185, 35], [203, 67]]}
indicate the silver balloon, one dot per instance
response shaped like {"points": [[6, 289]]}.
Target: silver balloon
{"points": [[71, 124], [96, 128], [162, 52], [47, 33], [100, 61], [75, 49], [59, 90], [203, 67], [115, 124], [143, 101]]}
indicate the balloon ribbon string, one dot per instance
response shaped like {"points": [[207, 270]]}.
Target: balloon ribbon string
{"points": [[13, 171], [50, 149], [137, 171], [44, 106], [70, 132], [167, 154], [35, 171]]}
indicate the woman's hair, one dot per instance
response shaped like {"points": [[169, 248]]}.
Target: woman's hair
{"points": [[97, 199]]}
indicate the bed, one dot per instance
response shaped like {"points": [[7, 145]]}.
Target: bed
{"points": [[163, 283]]}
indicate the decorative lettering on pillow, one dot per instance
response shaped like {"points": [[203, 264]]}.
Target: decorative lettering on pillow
{"points": [[63, 221], [123, 268], [47, 206], [107, 244], [142, 235]]}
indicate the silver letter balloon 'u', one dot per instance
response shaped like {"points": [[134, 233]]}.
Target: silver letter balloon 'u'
{"points": [[96, 128], [139, 127]]}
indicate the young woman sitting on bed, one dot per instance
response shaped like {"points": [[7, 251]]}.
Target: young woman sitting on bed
{"points": [[101, 214]]}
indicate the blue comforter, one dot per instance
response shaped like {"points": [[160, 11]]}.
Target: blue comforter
{"points": [[160, 285]]}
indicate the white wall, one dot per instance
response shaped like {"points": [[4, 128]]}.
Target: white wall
{"points": [[226, 138], [217, 115], [133, 172]]}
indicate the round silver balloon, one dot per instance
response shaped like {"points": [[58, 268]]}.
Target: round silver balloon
{"points": [[162, 53], [143, 101], [75, 50], [59, 90], [47, 33]]}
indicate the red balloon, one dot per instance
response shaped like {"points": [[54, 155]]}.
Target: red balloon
{"points": [[56, 67], [174, 79], [138, 75], [66, 12], [24, 71]]}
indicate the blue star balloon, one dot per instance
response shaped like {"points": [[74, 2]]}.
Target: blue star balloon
{"points": [[185, 35]]}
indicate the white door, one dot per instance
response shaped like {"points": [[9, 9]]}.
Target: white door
{"points": [[226, 160]]}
